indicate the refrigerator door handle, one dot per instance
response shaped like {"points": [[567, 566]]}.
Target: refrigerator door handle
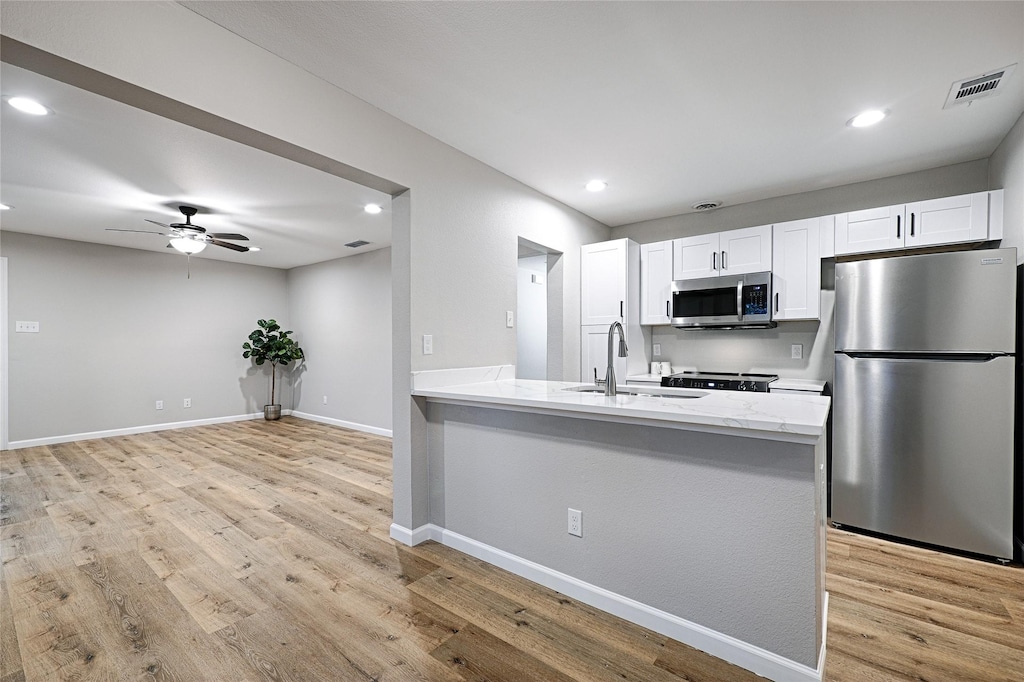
{"points": [[932, 357]]}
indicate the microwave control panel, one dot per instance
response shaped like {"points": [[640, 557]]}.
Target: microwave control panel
{"points": [[755, 299]]}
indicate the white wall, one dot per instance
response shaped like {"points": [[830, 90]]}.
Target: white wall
{"points": [[464, 217], [768, 350], [1006, 171], [123, 328], [532, 319], [341, 311]]}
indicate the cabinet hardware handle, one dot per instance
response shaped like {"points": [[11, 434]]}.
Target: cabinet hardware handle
{"points": [[620, 309], [724, 267], [911, 224], [898, 227], [714, 260], [776, 301], [668, 310]]}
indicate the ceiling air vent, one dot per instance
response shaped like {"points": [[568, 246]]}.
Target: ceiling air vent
{"points": [[706, 205], [356, 244], [976, 87]]}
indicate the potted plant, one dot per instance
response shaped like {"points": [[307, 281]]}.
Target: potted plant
{"points": [[269, 344]]}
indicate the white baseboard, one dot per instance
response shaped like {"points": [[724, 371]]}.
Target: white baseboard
{"points": [[344, 424], [735, 651], [128, 431]]}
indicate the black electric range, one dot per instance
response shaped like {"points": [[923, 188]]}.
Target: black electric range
{"points": [[720, 381]]}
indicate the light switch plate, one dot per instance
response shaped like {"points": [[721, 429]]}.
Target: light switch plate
{"points": [[508, 318], [26, 327]]}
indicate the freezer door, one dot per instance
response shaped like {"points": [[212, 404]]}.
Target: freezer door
{"points": [[942, 302], [923, 450]]}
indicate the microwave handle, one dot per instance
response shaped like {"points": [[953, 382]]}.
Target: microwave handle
{"points": [[739, 299]]}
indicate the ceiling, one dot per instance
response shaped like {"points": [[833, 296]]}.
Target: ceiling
{"points": [[96, 163], [672, 103]]}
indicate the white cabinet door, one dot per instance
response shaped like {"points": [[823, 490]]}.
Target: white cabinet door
{"points": [[873, 229], [746, 250], [949, 220], [655, 283], [603, 288], [796, 275], [695, 257], [594, 354]]}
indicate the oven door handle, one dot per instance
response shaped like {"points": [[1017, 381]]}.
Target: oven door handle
{"points": [[739, 300]]}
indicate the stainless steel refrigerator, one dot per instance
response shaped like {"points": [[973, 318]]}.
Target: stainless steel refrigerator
{"points": [[924, 398]]}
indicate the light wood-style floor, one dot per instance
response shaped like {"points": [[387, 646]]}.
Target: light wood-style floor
{"points": [[260, 551]]}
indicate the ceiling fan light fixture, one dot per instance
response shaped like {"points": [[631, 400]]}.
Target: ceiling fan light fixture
{"points": [[188, 246]]}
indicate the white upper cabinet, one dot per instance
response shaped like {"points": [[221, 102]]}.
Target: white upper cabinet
{"points": [[873, 229], [656, 283], [961, 219], [796, 270], [946, 221], [735, 252], [604, 286], [695, 257], [746, 250]]}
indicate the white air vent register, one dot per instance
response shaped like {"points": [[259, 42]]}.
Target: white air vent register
{"points": [[987, 84]]}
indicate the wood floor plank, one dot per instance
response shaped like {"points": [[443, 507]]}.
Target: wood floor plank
{"points": [[10, 654], [213, 598], [612, 632], [477, 655], [547, 640], [261, 550]]}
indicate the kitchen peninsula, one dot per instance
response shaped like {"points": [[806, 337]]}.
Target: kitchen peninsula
{"points": [[701, 518]]}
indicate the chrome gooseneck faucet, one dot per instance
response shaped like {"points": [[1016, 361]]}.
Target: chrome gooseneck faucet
{"points": [[609, 377]]}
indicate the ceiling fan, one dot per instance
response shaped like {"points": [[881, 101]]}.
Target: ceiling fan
{"points": [[191, 239]]}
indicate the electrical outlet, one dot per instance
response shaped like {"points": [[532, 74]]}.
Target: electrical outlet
{"points": [[188, 402], [325, 400], [159, 404], [575, 522], [428, 344], [657, 350], [796, 351], [508, 318]]}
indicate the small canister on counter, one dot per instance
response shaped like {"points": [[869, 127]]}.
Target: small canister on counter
{"points": [[665, 369]]}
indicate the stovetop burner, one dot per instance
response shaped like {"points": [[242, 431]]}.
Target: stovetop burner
{"points": [[720, 381]]}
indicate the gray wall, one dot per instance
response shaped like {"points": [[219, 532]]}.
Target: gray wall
{"points": [[507, 480], [1006, 170], [341, 311], [123, 328], [768, 350]]}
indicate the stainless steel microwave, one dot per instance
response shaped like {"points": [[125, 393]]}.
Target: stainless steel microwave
{"points": [[728, 301]]}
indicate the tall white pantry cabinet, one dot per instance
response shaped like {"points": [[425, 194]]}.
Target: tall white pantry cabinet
{"points": [[609, 293]]}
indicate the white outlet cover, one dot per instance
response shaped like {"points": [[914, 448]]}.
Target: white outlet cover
{"points": [[657, 350], [796, 351], [428, 344]]}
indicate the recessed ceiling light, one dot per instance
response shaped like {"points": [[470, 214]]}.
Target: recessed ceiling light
{"points": [[254, 248], [372, 209], [867, 118], [5, 207], [29, 106], [596, 185]]}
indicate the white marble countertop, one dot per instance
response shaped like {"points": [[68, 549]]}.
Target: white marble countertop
{"points": [[795, 418]]}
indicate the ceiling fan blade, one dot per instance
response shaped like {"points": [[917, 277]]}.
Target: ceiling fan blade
{"points": [[228, 235], [114, 229], [229, 245], [156, 223]]}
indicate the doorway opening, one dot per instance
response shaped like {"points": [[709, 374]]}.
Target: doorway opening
{"points": [[539, 312]]}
